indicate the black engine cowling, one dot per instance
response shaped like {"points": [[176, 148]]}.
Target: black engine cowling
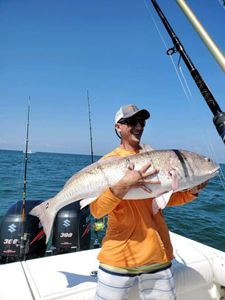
{"points": [[71, 232], [10, 234], [71, 229]]}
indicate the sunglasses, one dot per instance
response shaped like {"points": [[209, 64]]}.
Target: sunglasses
{"points": [[133, 121]]}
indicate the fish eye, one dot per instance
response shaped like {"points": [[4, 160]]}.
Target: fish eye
{"points": [[207, 159]]}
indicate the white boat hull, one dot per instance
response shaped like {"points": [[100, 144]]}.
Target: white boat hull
{"points": [[199, 273]]}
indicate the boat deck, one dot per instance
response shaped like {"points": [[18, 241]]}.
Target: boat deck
{"points": [[199, 273]]}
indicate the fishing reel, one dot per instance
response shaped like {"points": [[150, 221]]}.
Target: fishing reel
{"points": [[98, 226]]}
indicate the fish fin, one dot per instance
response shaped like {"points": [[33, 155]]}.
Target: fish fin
{"points": [[46, 215], [161, 201], [86, 201]]}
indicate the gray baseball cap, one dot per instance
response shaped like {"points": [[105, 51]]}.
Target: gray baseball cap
{"points": [[130, 110]]}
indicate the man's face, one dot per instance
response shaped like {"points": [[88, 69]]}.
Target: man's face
{"points": [[131, 129]]}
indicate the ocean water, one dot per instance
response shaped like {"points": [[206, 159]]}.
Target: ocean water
{"points": [[202, 220]]}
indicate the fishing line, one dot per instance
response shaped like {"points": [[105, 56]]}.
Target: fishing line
{"points": [[221, 174], [185, 86], [170, 56], [177, 67], [222, 178], [212, 154], [185, 81]]}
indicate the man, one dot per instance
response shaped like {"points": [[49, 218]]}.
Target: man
{"points": [[137, 245]]}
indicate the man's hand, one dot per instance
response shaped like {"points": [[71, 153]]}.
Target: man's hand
{"points": [[134, 178]]}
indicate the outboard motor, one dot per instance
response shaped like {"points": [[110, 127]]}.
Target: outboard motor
{"points": [[71, 229], [10, 234]]}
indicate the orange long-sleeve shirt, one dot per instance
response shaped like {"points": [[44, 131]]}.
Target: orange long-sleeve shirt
{"points": [[134, 236]]}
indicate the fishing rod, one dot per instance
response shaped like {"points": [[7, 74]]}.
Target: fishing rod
{"points": [[90, 129], [219, 115], [207, 40], [98, 224], [23, 237]]}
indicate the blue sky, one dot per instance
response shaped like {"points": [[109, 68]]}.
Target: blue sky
{"points": [[54, 51]]}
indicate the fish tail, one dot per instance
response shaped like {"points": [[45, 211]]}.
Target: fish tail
{"points": [[46, 215]]}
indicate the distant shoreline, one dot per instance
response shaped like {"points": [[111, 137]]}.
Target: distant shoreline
{"points": [[45, 152]]}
